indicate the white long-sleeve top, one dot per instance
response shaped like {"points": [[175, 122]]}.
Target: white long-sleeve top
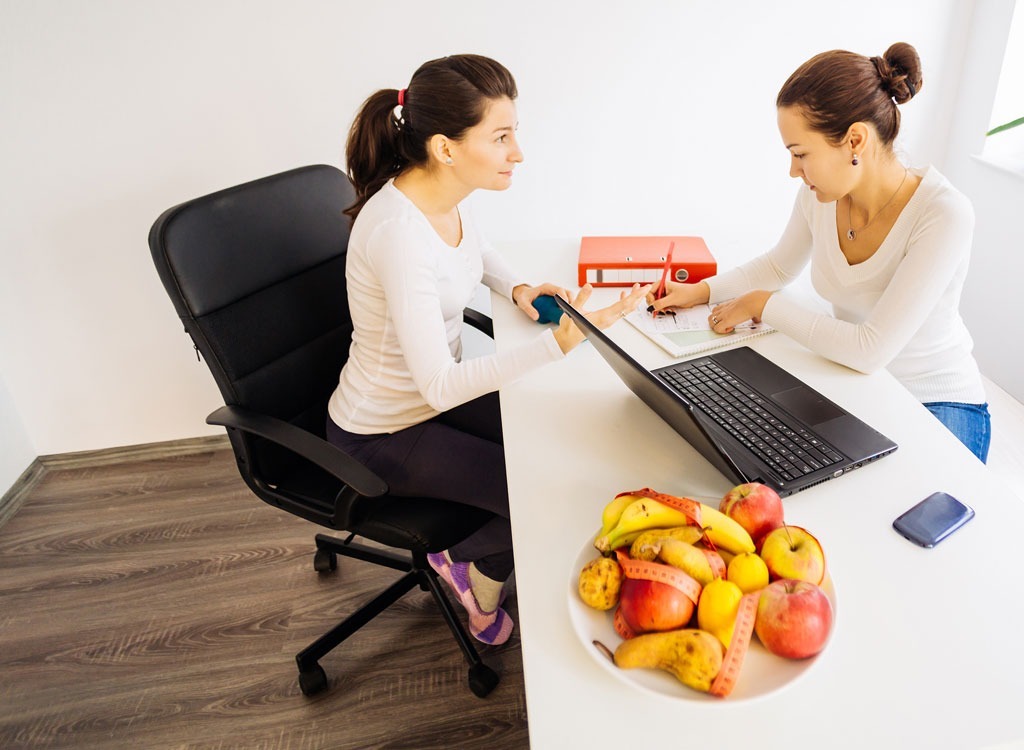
{"points": [[406, 292], [898, 309]]}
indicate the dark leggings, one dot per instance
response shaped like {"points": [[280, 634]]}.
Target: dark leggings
{"points": [[458, 456]]}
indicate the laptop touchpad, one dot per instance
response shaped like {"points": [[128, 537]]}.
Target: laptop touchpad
{"points": [[807, 406]]}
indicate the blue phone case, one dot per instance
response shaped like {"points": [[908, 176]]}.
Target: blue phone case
{"points": [[933, 519]]}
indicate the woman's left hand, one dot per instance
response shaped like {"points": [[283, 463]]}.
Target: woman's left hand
{"points": [[568, 335], [747, 307], [524, 295]]}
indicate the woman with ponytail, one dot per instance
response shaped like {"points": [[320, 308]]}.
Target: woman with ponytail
{"points": [[888, 244], [406, 404]]}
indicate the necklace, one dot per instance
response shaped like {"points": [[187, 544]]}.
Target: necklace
{"points": [[851, 233]]}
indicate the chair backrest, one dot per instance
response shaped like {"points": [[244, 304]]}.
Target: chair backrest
{"points": [[257, 275]]}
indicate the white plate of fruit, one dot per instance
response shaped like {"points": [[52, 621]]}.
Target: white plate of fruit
{"points": [[702, 601]]}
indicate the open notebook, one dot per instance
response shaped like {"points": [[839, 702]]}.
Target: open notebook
{"points": [[688, 332]]}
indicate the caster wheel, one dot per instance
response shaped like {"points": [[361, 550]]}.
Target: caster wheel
{"points": [[324, 561], [482, 680], [313, 681]]}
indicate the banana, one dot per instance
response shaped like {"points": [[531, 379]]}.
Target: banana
{"points": [[646, 546], [640, 515], [613, 510], [694, 657], [724, 532], [688, 559]]}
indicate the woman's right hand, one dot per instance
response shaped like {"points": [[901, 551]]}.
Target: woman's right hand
{"points": [[569, 336], [680, 295]]}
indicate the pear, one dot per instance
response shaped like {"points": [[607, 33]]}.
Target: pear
{"points": [[688, 559], [647, 545], [694, 657]]}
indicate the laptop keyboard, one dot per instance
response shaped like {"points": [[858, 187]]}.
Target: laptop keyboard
{"points": [[785, 445]]}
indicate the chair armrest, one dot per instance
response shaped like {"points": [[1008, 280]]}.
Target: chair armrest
{"points": [[328, 457], [478, 320]]}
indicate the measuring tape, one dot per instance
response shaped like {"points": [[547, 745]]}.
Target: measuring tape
{"points": [[737, 651], [689, 508], [717, 562], [657, 572]]}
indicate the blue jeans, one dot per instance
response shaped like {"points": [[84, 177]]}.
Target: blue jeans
{"points": [[971, 424]]}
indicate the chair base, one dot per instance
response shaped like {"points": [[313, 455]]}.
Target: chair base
{"points": [[312, 678]]}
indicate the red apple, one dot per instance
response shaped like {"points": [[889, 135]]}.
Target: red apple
{"points": [[650, 606], [793, 552], [794, 618], [754, 506]]}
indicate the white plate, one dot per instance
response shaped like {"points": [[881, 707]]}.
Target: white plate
{"points": [[762, 672]]}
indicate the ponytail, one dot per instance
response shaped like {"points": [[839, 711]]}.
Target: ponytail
{"points": [[372, 151]]}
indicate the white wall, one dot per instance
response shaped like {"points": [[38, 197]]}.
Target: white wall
{"points": [[16, 448], [992, 301], [647, 117]]}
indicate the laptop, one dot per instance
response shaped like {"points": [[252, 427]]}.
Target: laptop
{"points": [[752, 420]]}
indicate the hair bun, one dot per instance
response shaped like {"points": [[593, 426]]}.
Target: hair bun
{"points": [[900, 71]]}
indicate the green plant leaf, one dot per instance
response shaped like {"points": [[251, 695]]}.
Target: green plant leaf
{"points": [[1006, 126]]}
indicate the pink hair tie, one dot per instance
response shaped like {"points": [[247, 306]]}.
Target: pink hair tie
{"points": [[401, 97]]}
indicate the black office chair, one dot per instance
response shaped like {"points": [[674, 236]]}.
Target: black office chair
{"points": [[257, 274]]}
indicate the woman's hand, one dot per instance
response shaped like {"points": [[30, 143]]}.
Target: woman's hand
{"points": [[524, 295], [568, 335], [747, 307], [680, 295]]}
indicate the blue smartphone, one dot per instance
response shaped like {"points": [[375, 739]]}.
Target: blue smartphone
{"points": [[933, 519]]}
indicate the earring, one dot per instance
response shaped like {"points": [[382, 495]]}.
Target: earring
{"points": [[855, 161], [449, 161]]}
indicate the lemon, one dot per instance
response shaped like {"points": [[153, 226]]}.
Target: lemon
{"points": [[748, 571], [717, 608]]}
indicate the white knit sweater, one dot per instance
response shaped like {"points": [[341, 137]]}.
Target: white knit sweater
{"points": [[406, 292], [898, 309]]}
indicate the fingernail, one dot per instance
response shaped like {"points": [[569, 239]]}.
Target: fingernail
{"points": [[650, 308]]}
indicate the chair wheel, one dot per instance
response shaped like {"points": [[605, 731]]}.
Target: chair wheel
{"points": [[313, 681], [324, 561], [482, 680]]}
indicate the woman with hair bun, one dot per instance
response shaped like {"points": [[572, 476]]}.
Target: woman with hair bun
{"points": [[407, 405], [888, 244]]}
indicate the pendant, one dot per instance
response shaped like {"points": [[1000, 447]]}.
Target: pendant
{"points": [[850, 235]]}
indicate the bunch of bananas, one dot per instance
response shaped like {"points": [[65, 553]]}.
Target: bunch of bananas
{"points": [[628, 516]]}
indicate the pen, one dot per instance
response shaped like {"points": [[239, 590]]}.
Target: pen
{"points": [[660, 291]]}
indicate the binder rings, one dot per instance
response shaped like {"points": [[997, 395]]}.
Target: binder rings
{"points": [[624, 261]]}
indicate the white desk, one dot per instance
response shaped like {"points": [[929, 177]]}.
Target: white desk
{"points": [[925, 650]]}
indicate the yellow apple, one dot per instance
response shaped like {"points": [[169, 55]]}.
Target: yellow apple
{"points": [[793, 552]]}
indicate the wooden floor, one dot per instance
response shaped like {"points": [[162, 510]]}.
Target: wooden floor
{"points": [[156, 603]]}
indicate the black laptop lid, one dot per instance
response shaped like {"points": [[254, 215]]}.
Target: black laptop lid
{"points": [[662, 400], [855, 440]]}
